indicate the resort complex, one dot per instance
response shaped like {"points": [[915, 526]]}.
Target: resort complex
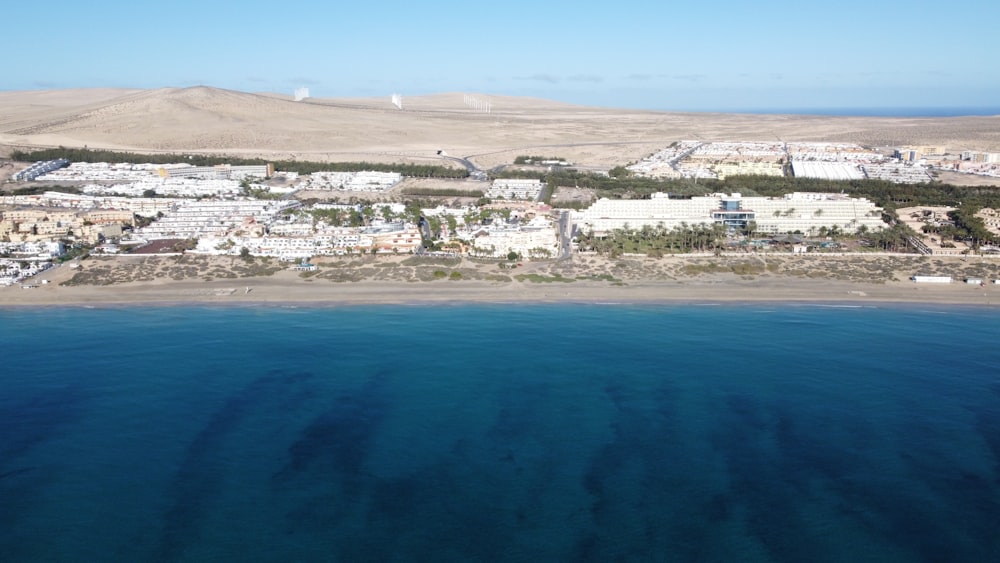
{"points": [[258, 210], [793, 213]]}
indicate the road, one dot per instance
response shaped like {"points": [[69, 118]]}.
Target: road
{"points": [[475, 172], [565, 235]]}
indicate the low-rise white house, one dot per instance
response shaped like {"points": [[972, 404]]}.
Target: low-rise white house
{"points": [[515, 188], [536, 239]]}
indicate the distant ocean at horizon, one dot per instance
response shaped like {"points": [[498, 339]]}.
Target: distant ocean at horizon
{"points": [[981, 111], [745, 432]]}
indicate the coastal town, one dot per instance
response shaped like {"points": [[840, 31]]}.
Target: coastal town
{"points": [[136, 208]]}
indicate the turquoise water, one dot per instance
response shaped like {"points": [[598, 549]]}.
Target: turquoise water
{"points": [[500, 433]]}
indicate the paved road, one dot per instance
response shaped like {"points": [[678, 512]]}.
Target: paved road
{"points": [[475, 172], [565, 235]]}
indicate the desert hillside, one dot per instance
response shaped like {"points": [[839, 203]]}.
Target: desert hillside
{"points": [[204, 119]]}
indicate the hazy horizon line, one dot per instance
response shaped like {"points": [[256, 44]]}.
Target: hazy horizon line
{"points": [[943, 110]]}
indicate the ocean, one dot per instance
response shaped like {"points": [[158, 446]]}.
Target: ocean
{"points": [[752, 432], [931, 111]]}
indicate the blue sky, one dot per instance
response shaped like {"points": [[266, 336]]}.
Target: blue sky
{"points": [[706, 55]]}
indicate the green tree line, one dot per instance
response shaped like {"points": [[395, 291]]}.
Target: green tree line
{"points": [[299, 166], [968, 227], [659, 241], [885, 194], [426, 192]]}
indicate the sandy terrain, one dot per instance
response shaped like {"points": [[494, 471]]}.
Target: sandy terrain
{"points": [[959, 179], [398, 279], [203, 119]]}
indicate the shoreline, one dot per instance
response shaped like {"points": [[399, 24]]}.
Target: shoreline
{"points": [[155, 282], [786, 292]]}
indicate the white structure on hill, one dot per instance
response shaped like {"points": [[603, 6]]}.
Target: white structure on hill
{"points": [[800, 211], [477, 104], [301, 94]]}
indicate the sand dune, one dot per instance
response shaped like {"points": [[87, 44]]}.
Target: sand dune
{"points": [[205, 119]]}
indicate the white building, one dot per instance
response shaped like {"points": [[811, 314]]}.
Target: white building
{"points": [[364, 181], [40, 169], [195, 219], [802, 212], [931, 279], [515, 188], [827, 170], [537, 239]]}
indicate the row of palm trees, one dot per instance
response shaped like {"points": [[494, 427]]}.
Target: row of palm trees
{"points": [[657, 241]]}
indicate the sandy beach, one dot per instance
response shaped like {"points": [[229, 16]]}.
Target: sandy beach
{"points": [[405, 280]]}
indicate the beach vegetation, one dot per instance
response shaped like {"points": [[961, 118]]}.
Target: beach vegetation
{"points": [[539, 278], [599, 277], [422, 260]]}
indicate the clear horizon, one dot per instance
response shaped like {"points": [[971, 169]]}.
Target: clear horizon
{"points": [[721, 56]]}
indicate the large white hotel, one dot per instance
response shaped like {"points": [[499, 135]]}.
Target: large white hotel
{"points": [[799, 211]]}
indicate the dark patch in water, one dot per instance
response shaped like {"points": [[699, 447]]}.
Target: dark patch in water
{"points": [[718, 509], [338, 439], [641, 451], [587, 548], [20, 491], [758, 482], [519, 416], [934, 507], [37, 419], [327, 461], [988, 425], [438, 510], [197, 481], [818, 451], [26, 424], [16, 472]]}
